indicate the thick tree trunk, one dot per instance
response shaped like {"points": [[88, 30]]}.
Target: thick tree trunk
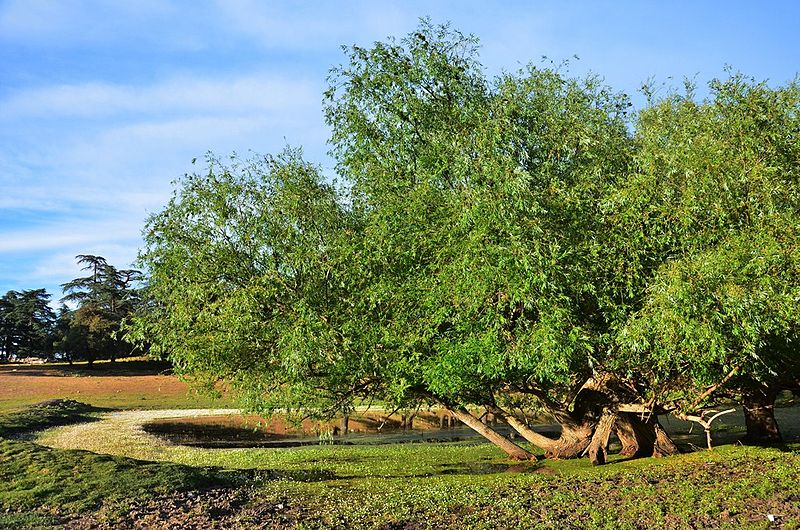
{"points": [[642, 438], [664, 446], [510, 448], [631, 433], [578, 426], [598, 447], [539, 440], [574, 439], [759, 417]]}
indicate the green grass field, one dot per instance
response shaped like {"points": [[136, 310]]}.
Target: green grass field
{"points": [[452, 485]]}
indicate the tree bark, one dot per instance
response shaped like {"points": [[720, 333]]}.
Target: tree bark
{"points": [[631, 433], [574, 439], [663, 446], [642, 438], [539, 440], [598, 447], [510, 448], [578, 426], [759, 417]]}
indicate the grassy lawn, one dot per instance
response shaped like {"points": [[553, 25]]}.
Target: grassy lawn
{"points": [[452, 485], [45, 487]]}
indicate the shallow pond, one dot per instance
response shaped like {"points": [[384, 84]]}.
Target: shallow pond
{"points": [[232, 431], [235, 431]]}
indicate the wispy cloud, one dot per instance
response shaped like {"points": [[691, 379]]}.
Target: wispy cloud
{"points": [[103, 103], [68, 23], [178, 95], [316, 25], [99, 145], [52, 236]]}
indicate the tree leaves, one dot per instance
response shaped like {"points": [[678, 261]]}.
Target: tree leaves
{"points": [[491, 236]]}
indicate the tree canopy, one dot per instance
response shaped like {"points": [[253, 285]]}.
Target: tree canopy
{"points": [[104, 298], [26, 324], [520, 241]]}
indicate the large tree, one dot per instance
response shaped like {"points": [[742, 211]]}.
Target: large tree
{"points": [[463, 269], [26, 324], [500, 243], [104, 299], [712, 213], [485, 227]]}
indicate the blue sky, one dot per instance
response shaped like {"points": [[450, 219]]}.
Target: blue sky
{"points": [[104, 103]]}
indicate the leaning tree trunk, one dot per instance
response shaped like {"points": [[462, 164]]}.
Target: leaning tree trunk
{"points": [[632, 434], [578, 426], [574, 440], [759, 417], [539, 440], [642, 437], [510, 448], [663, 446]]}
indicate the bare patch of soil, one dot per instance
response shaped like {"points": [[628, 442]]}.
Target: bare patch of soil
{"points": [[222, 508], [131, 384]]}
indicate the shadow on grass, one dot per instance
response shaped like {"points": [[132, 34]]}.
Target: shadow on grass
{"points": [[487, 468], [24, 424], [102, 369]]}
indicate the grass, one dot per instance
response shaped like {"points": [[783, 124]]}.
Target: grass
{"points": [[458, 485], [411, 486], [43, 486], [684, 493]]}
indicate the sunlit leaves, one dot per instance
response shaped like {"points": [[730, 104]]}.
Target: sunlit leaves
{"points": [[711, 216]]}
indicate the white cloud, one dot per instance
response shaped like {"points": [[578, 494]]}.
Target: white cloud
{"points": [[24, 18], [77, 233], [320, 26], [99, 146], [70, 23], [244, 94]]}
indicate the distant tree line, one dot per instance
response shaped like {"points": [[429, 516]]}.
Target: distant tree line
{"points": [[86, 326]]}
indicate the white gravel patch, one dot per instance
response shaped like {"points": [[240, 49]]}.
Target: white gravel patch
{"points": [[121, 433]]}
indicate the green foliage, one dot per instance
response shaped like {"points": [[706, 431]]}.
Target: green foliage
{"points": [[712, 215], [243, 267], [482, 218], [26, 325], [105, 298], [493, 237]]}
